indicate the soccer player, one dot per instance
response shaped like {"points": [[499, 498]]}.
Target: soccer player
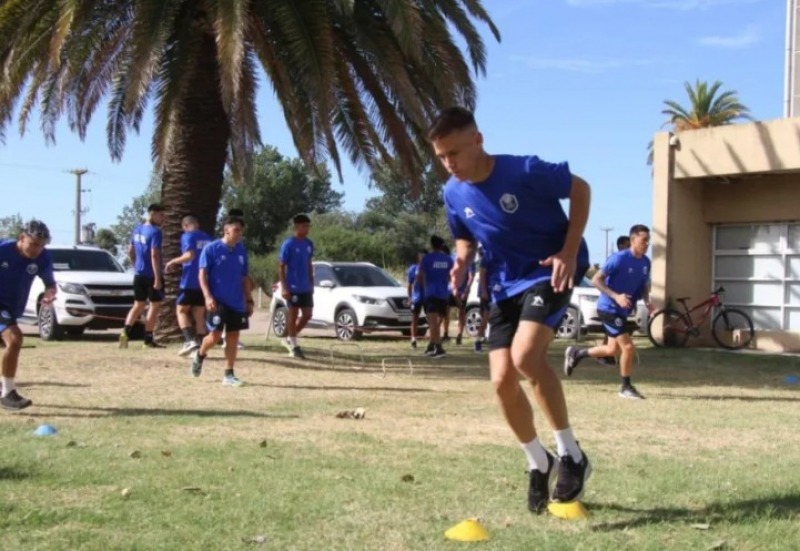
{"points": [[623, 243], [415, 295], [434, 275], [190, 302], [144, 252], [510, 205], [239, 213], [485, 298], [297, 281], [223, 278], [21, 260], [460, 302], [624, 280]]}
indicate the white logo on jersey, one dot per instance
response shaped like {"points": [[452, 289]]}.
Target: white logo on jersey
{"points": [[440, 265], [644, 270], [468, 212], [509, 203], [241, 260], [309, 249], [32, 269], [537, 301], [215, 320], [4, 265], [618, 322], [630, 270], [6, 314]]}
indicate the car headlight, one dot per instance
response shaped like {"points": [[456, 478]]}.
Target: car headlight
{"points": [[370, 300], [73, 288]]}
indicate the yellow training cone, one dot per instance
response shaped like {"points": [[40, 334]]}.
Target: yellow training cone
{"points": [[468, 530], [570, 511]]}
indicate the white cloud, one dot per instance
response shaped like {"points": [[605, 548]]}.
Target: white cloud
{"points": [[664, 4], [744, 39], [579, 65]]}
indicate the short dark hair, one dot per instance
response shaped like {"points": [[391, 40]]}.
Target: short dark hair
{"points": [[623, 241], [155, 207], [638, 228], [437, 243], [233, 220], [236, 212], [301, 219], [450, 120]]}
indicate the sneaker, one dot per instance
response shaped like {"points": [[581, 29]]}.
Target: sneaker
{"points": [[438, 352], [629, 391], [152, 344], [14, 401], [232, 380], [197, 364], [458, 340], [446, 338], [414, 345], [570, 360], [287, 345], [477, 346], [239, 345], [540, 484], [297, 353], [571, 478], [188, 348], [429, 350], [123, 340]]}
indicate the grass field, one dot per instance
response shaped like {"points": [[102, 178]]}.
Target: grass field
{"points": [[149, 458]]}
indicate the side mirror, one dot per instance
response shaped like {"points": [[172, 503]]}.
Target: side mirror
{"points": [[327, 284]]}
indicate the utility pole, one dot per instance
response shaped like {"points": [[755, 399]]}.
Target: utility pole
{"points": [[78, 172], [607, 230]]}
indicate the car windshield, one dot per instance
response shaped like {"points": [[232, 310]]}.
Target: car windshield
{"points": [[82, 260], [363, 276]]}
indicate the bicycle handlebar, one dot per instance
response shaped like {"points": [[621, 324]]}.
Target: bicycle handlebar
{"points": [[720, 290]]}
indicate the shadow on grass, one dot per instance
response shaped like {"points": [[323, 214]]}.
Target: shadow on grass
{"points": [[15, 473], [34, 384], [361, 388], [721, 397], [99, 412], [783, 507]]}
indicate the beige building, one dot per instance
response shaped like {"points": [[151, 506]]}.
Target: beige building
{"points": [[726, 211]]}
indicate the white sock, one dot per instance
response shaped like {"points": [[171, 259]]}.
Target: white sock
{"points": [[566, 444], [536, 454], [292, 341], [8, 385]]}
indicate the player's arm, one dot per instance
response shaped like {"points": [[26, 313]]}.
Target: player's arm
{"points": [[599, 281], [483, 285], [155, 257], [580, 198], [46, 274], [131, 253], [188, 256], [311, 274]]}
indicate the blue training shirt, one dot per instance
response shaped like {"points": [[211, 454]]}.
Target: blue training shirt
{"points": [[146, 237], [225, 267], [296, 254], [436, 268], [417, 291], [625, 274], [16, 276], [516, 215], [193, 241]]}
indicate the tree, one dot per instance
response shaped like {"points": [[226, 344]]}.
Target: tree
{"points": [[422, 196], [107, 239], [134, 214], [280, 188], [707, 107], [366, 76], [11, 226]]}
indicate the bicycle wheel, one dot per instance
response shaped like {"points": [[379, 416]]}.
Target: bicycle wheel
{"points": [[668, 328], [732, 329]]}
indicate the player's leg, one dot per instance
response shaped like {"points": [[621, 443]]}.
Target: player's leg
{"points": [[306, 311], [234, 323], [416, 308], [183, 312], [626, 359], [214, 324], [12, 338], [291, 324], [155, 296], [432, 313], [462, 319], [444, 319], [140, 286], [198, 316], [613, 327], [481, 336]]}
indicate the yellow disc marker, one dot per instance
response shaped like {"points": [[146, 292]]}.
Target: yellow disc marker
{"points": [[573, 510], [468, 530]]}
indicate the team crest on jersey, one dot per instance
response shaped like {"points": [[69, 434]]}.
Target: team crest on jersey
{"points": [[309, 249], [32, 269], [241, 260], [4, 265], [509, 203], [216, 320], [618, 322], [5, 314], [644, 270], [468, 212]]}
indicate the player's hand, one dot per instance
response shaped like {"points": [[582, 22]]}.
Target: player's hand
{"points": [[286, 294], [249, 309], [171, 267], [211, 304], [458, 274], [49, 295], [563, 266], [158, 284], [623, 300]]}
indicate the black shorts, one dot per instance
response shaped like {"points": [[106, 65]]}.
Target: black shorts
{"points": [[615, 324], [416, 308], [301, 300], [453, 301], [191, 297], [436, 306], [143, 289], [539, 303], [226, 318], [7, 318]]}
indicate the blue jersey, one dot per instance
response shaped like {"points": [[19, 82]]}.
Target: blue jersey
{"points": [[417, 292], [146, 237], [16, 276], [192, 241], [225, 267], [296, 255], [436, 268], [515, 214], [627, 275]]}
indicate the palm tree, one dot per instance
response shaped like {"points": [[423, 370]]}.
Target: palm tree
{"points": [[707, 107], [365, 76]]}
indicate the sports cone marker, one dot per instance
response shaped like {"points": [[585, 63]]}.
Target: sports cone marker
{"points": [[468, 530], [573, 510]]}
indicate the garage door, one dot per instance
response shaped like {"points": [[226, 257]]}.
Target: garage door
{"points": [[759, 266]]}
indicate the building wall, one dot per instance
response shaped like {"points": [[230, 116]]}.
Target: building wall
{"points": [[767, 198]]}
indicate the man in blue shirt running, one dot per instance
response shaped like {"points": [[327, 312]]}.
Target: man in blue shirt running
{"points": [[415, 295], [144, 252], [297, 281], [511, 206], [623, 281], [224, 281], [434, 275], [21, 260], [190, 304]]}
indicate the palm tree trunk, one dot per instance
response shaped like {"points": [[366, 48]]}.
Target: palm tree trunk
{"points": [[192, 173]]}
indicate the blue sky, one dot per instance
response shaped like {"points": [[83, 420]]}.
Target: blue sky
{"points": [[575, 80]]}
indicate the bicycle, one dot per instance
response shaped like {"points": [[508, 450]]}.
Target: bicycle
{"points": [[731, 328]]}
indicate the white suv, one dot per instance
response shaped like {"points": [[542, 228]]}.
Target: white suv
{"points": [[94, 292], [349, 296]]}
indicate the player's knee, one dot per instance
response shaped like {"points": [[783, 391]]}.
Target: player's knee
{"points": [[505, 385], [14, 339], [627, 347]]}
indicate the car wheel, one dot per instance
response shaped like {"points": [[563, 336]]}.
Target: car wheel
{"points": [[49, 328], [473, 321], [280, 320], [570, 324], [346, 325]]}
